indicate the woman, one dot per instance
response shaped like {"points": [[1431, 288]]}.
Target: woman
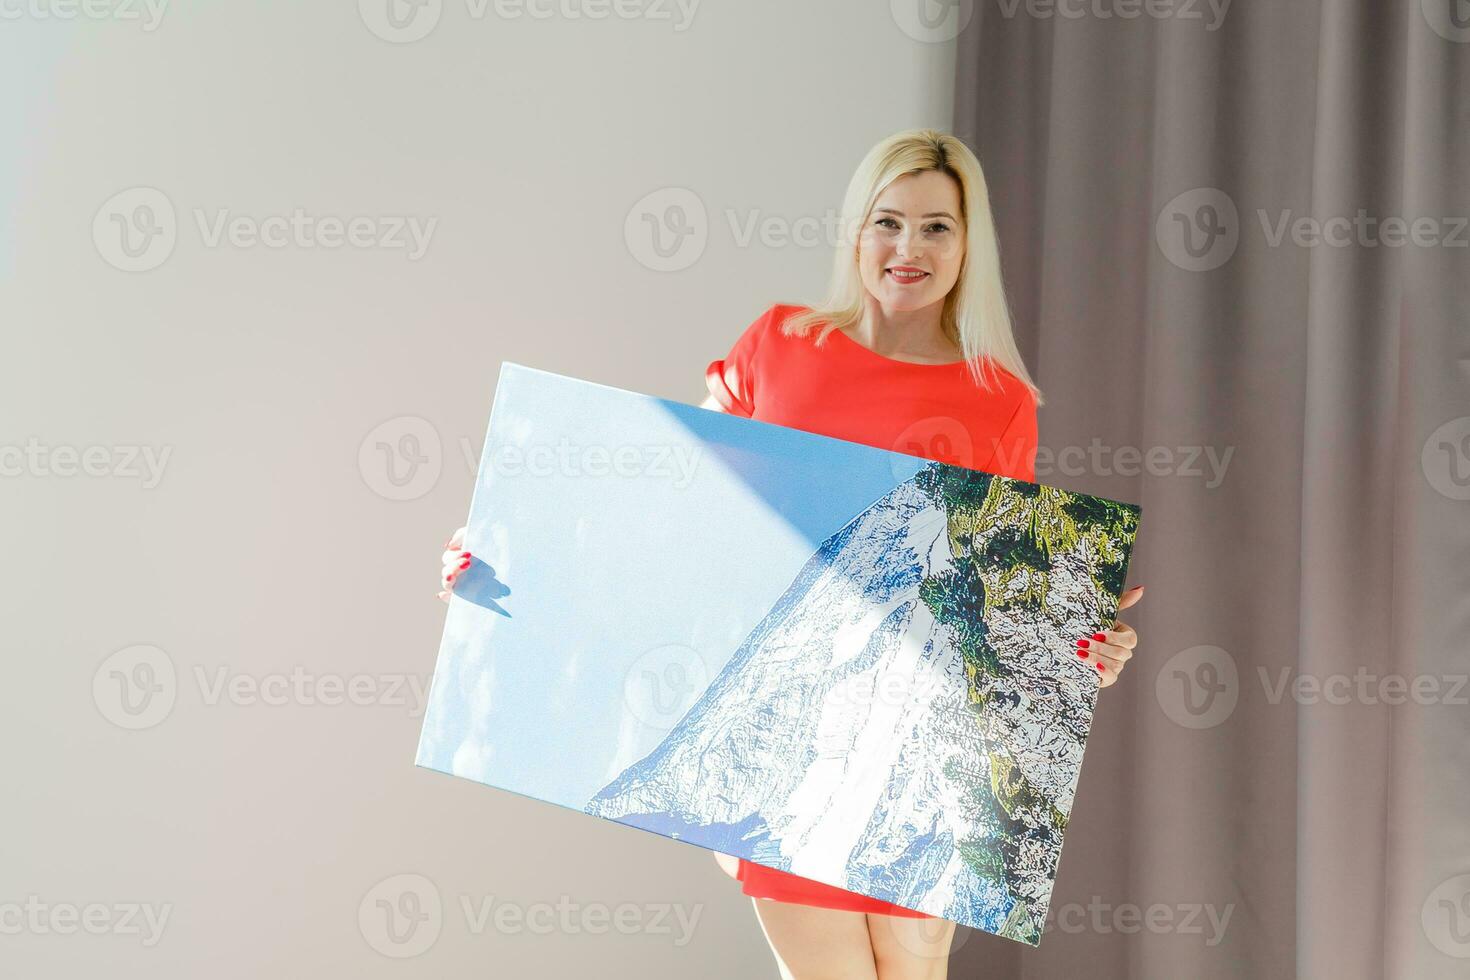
{"points": [[912, 350]]}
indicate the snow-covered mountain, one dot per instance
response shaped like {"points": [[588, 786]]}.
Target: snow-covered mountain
{"points": [[844, 742]]}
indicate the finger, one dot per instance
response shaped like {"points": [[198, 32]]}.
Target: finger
{"points": [[460, 561], [456, 541], [1130, 597], [454, 557], [1111, 652], [1105, 653], [1121, 635], [1108, 642], [451, 572], [1106, 675], [1111, 657]]}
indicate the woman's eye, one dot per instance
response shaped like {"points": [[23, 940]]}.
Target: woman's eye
{"points": [[936, 228]]}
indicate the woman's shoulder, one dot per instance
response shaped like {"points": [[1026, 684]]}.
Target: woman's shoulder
{"points": [[766, 331], [1008, 384], [778, 313]]}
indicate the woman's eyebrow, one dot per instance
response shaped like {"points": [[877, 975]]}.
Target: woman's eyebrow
{"points": [[931, 214]]}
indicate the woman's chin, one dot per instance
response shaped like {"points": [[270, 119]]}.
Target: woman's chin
{"points": [[904, 299]]}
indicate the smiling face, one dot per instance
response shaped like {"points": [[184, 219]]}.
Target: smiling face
{"points": [[914, 227]]}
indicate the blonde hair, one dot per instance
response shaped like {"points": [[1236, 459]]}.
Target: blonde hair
{"points": [[975, 315]]}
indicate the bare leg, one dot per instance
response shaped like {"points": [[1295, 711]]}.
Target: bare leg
{"points": [[906, 948], [813, 943]]}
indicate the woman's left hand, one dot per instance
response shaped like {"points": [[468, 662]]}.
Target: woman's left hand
{"points": [[1111, 649]]}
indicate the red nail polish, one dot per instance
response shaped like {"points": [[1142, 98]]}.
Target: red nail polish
{"points": [[1083, 644], [1099, 637], [1099, 668], [465, 563]]}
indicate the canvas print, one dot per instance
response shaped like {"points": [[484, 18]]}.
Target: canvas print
{"points": [[851, 664]]}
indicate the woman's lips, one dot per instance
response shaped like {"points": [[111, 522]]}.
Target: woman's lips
{"points": [[904, 280]]}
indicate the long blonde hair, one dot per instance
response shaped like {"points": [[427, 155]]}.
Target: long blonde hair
{"points": [[975, 316]]}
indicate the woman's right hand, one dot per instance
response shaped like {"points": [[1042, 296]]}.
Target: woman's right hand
{"points": [[456, 560]]}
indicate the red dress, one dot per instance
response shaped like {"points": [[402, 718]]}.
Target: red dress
{"points": [[849, 391]]}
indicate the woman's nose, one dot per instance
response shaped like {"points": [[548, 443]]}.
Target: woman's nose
{"points": [[908, 246]]}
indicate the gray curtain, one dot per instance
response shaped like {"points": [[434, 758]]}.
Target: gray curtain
{"points": [[1279, 786]]}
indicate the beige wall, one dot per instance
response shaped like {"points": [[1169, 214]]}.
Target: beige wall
{"points": [[192, 480]]}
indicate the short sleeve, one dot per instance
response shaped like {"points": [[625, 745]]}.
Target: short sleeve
{"points": [[731, 380], [1015, 450]]}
